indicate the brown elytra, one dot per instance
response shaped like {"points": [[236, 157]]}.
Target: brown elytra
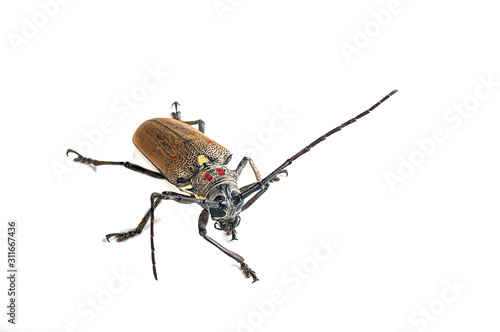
{"points": [[173, 147]]}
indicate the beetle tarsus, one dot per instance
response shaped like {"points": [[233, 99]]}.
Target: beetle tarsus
{"points": [[177, 114], [120, 237], [84, 160], [80, 158], [278, 177], [248, 272]]}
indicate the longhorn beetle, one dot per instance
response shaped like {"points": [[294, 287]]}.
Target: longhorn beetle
{"points": [[196, 165]]}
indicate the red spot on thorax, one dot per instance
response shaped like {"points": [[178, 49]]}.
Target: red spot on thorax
{"points": [[209, 142], [208, 177], [176, 157], [220, 171]]}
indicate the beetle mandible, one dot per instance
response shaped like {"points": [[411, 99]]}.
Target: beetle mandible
{"points": [[196, 165]]}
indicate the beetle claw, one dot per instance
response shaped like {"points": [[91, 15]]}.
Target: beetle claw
{"points": [[248, 272], [121, 236], [73, 151], [81, 159], [282, 174]]}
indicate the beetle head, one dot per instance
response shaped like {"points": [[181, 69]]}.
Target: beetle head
{"points": [[229, 195], [215, 182], [227, 217]]}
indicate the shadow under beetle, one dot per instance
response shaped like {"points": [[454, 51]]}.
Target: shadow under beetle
{"points": [[196, 165]]}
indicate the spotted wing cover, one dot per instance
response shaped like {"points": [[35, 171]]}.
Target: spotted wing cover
{"points": [[173, 147]]}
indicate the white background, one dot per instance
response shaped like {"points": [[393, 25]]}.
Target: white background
{"points": [[399, 250]]}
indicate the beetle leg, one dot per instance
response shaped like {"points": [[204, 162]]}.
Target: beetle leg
{"points": [[242, 165], [138, 230], [254, 198], [179, 198], [248, 272], [202, 229], [261, 192], [156, 198], [200, 123], [177, 115], [126, 164], [275, 179]]}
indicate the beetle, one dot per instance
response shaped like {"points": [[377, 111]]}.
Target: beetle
{"points": [[197, 166]]}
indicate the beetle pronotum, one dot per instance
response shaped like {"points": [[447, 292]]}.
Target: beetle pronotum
{"points": [[196, 165]]}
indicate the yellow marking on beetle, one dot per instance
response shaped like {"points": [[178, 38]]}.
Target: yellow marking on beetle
{"points": [[199, 197], [202, 159]]}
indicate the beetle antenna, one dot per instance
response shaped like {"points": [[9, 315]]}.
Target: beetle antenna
{"points": [[259, 185]]}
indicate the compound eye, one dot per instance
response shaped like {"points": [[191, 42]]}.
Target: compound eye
{"points": [[236, 197]]}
